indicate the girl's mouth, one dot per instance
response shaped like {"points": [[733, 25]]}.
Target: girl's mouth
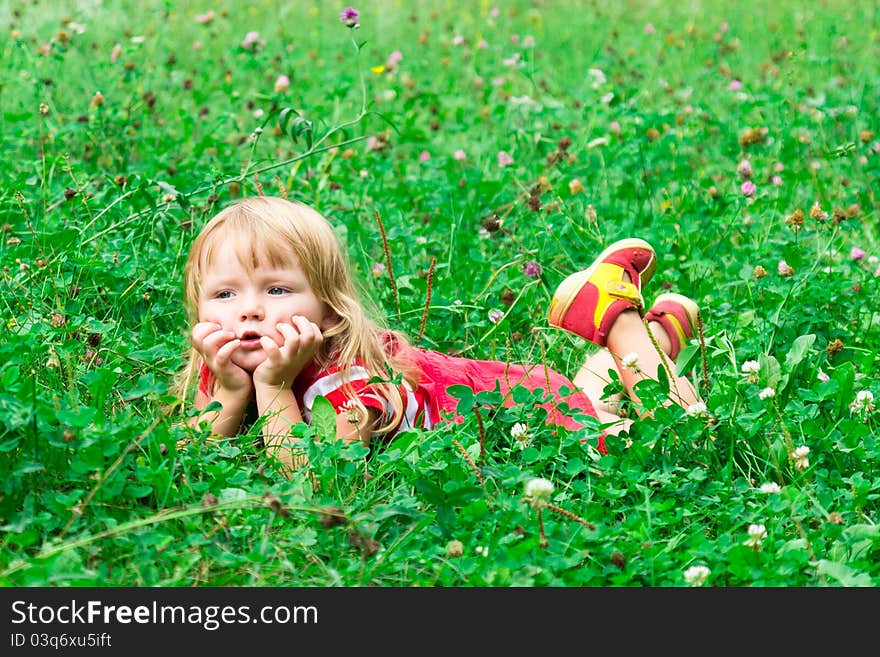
{"points": [[250, 340]]}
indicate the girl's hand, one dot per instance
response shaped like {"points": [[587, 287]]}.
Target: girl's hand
{"points": [[216, 347], [283, 363]]}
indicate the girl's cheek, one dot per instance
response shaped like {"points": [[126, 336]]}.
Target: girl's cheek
{"points": [[207, 315]]}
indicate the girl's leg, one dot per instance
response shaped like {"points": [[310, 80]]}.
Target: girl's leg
{"points": [[599, 304], [615, 424], [661, 336], [628, 335], [592, 377]]}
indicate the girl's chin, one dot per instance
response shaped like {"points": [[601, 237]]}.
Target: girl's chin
{"points": [[249, 362]]}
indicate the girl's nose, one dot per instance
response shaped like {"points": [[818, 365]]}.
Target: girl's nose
{"points": [[252, 309]]}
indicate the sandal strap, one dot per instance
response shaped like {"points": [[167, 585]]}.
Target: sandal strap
{"points": [[627, 292], [677, 316]]}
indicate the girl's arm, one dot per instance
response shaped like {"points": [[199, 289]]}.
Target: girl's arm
{"points": [[275, 399], [282, 412], [233, 386], [272, 385], [226, 421]]}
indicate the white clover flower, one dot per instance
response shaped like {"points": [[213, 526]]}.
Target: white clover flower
{"points": [[799, 456], [496, 315], [597, 75], [351, 411], [511, 61], [757, 533], [538, 490], [822, 376], [864, 402], [751, 368], [767, 393], [696, 575], [770, 487], [630, 361], [696, 410], [521, 100], [520, 432]]}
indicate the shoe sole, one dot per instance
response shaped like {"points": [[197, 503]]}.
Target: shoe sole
{"points": [[568, 289]]}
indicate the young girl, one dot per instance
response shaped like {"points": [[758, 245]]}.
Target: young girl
{"points": [[276, 322]]}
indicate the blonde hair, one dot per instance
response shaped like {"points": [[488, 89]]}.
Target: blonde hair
{"points": [[273, 231]]}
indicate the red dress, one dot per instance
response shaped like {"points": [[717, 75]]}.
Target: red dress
{"points": [[440, 371]]}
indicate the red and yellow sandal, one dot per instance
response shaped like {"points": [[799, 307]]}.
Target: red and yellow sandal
{"points": [[678, 315], [587, 302]]}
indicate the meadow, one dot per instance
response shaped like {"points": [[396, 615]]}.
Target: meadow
{"points": [[471, 155]]}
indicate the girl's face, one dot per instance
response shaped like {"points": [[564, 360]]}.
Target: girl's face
{"points": [[250, 304]]}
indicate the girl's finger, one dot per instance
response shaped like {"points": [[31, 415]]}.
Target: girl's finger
{"points": [[224, 353], [217, 339], [293, 341], [301, 323], [202, 330], [288, 332], [308, 330], [271, 349], [319, 337]]}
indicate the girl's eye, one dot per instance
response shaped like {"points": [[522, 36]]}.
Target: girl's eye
{"points": [[277, 290], [224, 294]]}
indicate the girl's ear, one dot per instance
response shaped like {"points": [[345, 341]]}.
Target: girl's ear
{"points": [[329, 320]]}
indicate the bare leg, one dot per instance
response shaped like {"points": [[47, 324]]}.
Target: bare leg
{"points": [[616, 424], [629, 335], [661, 336], [592, 379]]}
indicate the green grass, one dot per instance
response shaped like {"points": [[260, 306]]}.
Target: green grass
{"points": [[99, 202]]}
